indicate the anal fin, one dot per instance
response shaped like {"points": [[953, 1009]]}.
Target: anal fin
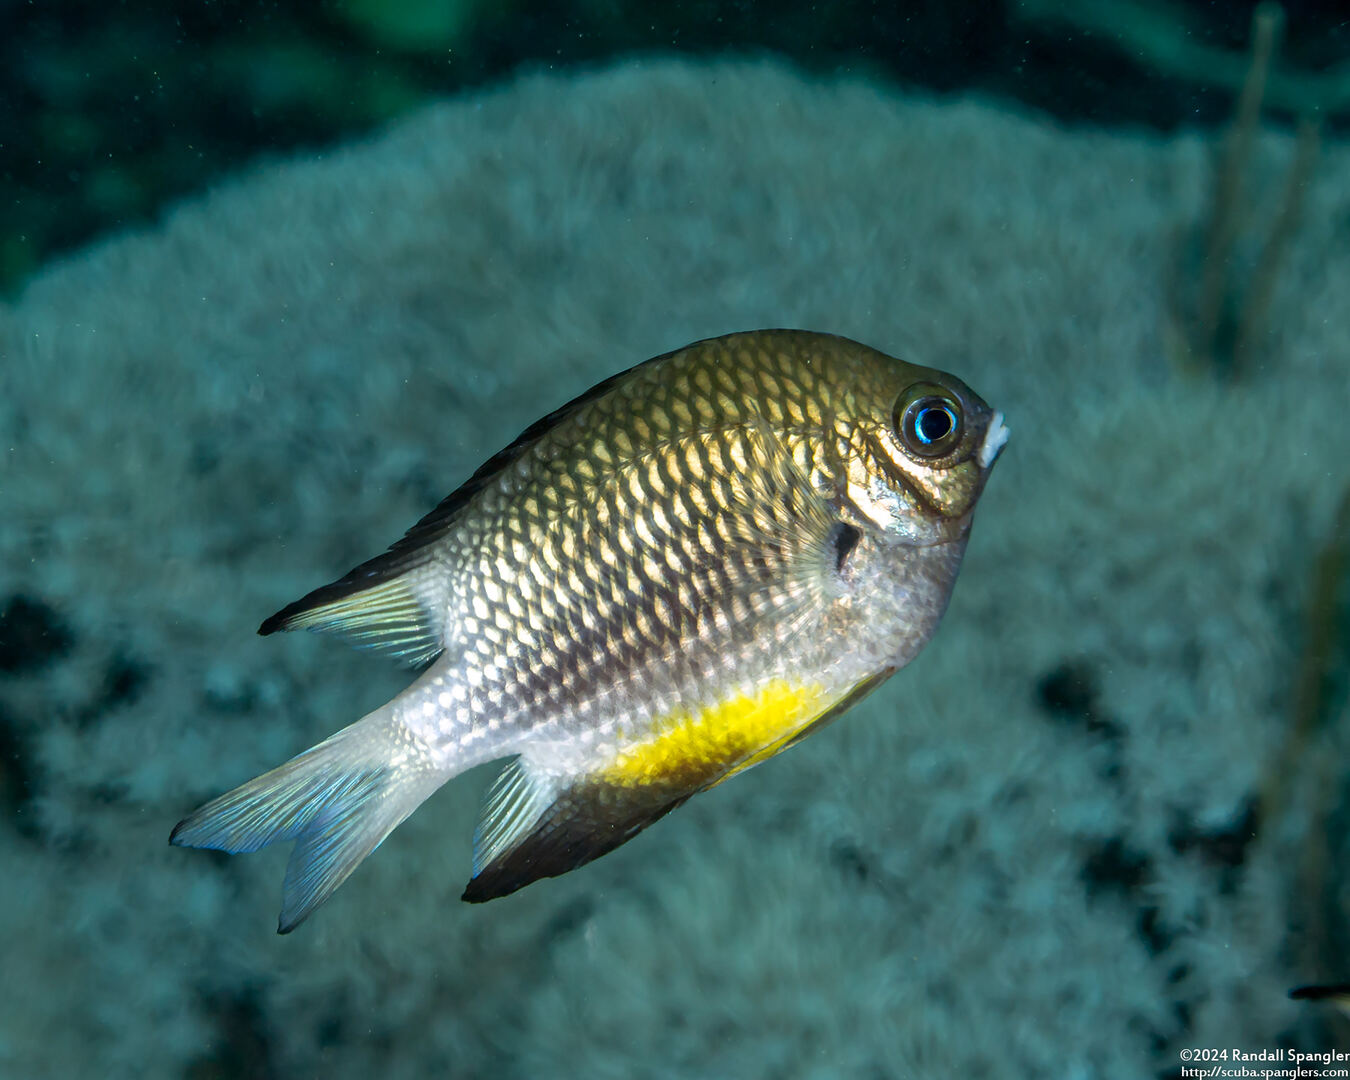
{"points": [[539, 823], [531, 829]]}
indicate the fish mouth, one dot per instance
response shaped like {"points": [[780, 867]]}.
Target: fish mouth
{"points": [[995, 437]]}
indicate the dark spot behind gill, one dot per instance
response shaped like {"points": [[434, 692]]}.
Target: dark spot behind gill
{"points": [[843, 538]]}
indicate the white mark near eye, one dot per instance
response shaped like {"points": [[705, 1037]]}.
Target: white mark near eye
{"points": [[994, 437]]}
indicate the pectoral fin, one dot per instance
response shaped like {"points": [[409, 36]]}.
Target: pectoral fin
{"points": [[792, 544]]}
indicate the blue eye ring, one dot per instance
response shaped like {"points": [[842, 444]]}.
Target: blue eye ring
{"points": [[929, 423]]}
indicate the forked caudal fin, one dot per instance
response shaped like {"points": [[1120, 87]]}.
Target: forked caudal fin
{"points": [[338, 801]]}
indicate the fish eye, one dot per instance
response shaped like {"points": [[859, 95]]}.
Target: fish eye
{"points": [[929, 423]]}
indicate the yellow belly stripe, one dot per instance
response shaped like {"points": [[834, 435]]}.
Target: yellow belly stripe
{"points": [[691, 749]]}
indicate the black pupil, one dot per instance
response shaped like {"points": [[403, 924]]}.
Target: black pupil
{"points": [[933, 423]]}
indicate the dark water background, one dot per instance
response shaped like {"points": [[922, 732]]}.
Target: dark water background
{"points": [[108, 111]]}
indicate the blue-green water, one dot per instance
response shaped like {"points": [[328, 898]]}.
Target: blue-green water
{"points": [[280, 280]]}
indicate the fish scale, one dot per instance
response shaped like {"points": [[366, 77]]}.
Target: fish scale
{"points": [[661, 584]]}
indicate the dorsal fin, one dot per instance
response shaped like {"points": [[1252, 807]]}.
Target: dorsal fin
{"points": [[376, 604], [386, 615]]}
